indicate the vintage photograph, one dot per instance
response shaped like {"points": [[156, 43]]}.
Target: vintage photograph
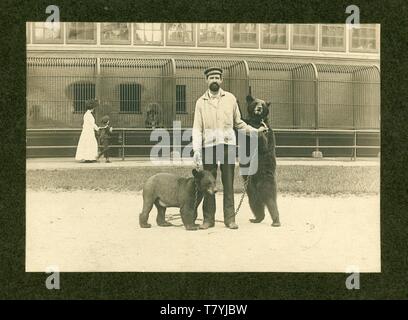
{"points": [[202, 147]]}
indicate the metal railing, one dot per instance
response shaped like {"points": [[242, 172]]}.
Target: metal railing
{"points": [[124, 140]]}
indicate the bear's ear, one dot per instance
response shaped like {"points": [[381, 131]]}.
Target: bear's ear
{"points": [[249, 99]]}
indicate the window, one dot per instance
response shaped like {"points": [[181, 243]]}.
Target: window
{"points": [[81, 32], [364, 38], [82, 92], [180, 99], [28, 37], [130, 97], [115, 33], [51, 32], [148, 33], [180, 34], [274, 36], [244, 35], [304, 37], [333, 37], [212, 34]]}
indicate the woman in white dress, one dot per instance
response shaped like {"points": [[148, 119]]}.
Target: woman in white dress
{"points": [[87, 150]]}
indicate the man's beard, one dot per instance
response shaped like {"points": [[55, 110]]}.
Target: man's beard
{"points": [[214, 86]]}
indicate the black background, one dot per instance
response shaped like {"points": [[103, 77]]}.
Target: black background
{"points": [[391, 283]]}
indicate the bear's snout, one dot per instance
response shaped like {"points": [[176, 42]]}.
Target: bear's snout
{"points": [[258, 109], [212, 191]]}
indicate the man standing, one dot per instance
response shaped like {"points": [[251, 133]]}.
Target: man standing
{"points": [[215, 117]]}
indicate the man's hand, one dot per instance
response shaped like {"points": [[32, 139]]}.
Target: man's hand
{"points": [[197, 158], [262, 129]]}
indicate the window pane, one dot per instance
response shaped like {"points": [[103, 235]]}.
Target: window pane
{"points": [[156, 36], [27, 33], [244, 34], [212, 33], [364, 38], [115, 32], [148, 33], [82, 93], [180, 33], [274, 35], [81, 31], [48, 32], [130, 97], [180, 98], [333, 37], [304, 36]]}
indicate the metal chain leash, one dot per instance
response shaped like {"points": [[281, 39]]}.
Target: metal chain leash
{"points": [[246, 182], [243, 194], [178, 215], [196, 196]]}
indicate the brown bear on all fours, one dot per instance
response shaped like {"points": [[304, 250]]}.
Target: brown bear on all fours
{"points": [[166, 190], [262, 186]]}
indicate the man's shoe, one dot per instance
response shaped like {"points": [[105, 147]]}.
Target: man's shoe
{"points": [[232, 225], [206, 225]]}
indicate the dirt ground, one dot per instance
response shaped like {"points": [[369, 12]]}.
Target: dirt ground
{"points": [[99, 231]]}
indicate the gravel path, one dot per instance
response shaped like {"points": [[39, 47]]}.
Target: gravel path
{"points": [[98, 231]]}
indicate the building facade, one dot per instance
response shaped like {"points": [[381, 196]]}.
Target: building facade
{"points": [[317, 76]]}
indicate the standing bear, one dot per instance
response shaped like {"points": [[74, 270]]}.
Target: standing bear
{"points": [[166, 190], [262, 186]]}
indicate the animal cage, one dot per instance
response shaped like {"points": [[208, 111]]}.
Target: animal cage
{"points": [[291, 89], [152, 92], [137, 93], [348, 97], [129, 91], [57, 89], [190, 79], [309, 96]]}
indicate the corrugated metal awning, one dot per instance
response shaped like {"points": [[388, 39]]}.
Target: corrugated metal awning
{"points": [[297, 70], [134, 63], [60, 62], [232, 67], [368, 73]]}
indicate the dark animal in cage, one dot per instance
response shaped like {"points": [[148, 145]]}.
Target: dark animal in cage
{"points": [[153, 116], [262, 186]]}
